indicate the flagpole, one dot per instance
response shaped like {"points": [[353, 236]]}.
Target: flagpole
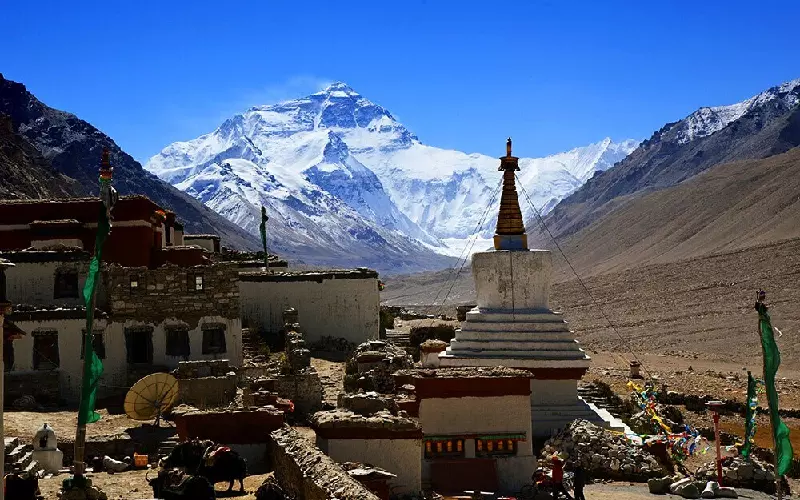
{"points": [[106, 197], [761, 296]]}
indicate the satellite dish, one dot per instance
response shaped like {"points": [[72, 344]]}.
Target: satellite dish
{"points": [[151, 397]]}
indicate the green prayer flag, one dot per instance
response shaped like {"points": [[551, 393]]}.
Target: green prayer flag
{"points": [[772, 360], [263, 229], [750, 415], [92, 366]]}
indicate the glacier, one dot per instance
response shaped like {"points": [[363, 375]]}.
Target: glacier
{"points": [[345, 183]]}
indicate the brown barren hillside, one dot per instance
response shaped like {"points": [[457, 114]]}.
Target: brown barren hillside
{"points": [[701, 306], [729, 207]]}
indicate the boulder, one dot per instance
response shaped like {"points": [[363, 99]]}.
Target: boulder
{"points": [[689, 490], [710, 491], [727, 492], [659, 486]]}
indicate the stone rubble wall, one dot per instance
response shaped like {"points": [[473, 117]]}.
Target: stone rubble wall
{"points": [[206, 383], [304, 389], [165, 293], [44, 386], [208, 392], [302, 470], [603, 454]]}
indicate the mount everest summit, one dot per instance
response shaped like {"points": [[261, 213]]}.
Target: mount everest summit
{"points": [[345, 183]]}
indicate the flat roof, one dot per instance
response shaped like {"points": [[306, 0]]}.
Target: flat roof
{"points": [[278, 276], [62, 255], [464, 372]]}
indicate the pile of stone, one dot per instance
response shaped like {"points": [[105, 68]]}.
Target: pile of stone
{"points": [[367, 403], [261, 392], [372, 365], [333, 344], [298, 357], [341, 418], [687, 487], [752, 474], [602, 453]]}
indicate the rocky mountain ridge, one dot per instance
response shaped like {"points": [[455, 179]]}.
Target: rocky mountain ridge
{"points": [[73, 148]]}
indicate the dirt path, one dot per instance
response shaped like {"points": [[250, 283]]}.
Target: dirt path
{"points": [[331, 374], [133, 486], [23, 424]]}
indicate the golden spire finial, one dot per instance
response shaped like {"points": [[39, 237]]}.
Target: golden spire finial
{"points": [[510, 232]]}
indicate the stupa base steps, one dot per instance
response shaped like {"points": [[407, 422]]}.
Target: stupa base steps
{"points": [[558, 348], [548, 419], [543, 316], [512, 359]]}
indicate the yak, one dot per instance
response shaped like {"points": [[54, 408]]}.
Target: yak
{"points": [[204, 458], [175, 485]]}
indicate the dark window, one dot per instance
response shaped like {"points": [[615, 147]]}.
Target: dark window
{"points": [[8, 355], [3, 296], [214, 341], [45, 350], [495, 447], [195, 283], [178, 342], [66, 285], [444, 448], [98, 345], [139, 345]]}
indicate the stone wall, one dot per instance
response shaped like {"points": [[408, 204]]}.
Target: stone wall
{"points": [[169, 292], [304, 471], [206, 384], [304, 389], [43, 386], [341, 304]]}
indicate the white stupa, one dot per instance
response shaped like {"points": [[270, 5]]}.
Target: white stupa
{"points": [[513, 324]]}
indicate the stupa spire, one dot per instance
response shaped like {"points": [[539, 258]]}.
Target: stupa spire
{"points": [[510, 232]]}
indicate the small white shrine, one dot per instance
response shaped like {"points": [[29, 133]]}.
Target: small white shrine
{"points": [[45, 450]]}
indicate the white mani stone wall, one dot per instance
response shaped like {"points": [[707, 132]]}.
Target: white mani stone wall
{"points": [[484, 415], [343, 308], [401, 457]]}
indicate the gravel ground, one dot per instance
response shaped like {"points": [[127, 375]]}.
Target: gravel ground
{"points": [[133, 486]]}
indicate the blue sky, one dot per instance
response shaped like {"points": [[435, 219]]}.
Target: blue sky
{"points": [[459, 74]]}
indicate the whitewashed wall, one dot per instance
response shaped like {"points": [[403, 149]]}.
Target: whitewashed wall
{"points": [[233, 340], [485, 415], [554, 392], [115, 364], [205, 243], [344, 308], [402, 457], [33, 282]]}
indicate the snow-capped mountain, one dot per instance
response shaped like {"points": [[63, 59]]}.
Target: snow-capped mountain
{"points": [[761, 126], [340, 175], [707, 120]]}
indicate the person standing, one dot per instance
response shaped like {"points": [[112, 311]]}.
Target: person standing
{"points": [[578, 482], [558, 478]]}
